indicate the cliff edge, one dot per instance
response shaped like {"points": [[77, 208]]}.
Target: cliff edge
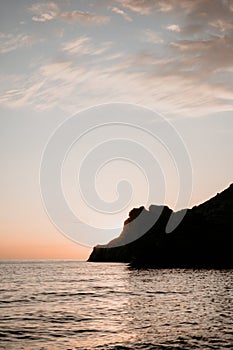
{"points": [[204, 238]]}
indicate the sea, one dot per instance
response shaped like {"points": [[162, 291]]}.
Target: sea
{"points": [[63, 304]]}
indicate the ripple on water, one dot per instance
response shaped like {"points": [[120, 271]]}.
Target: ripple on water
{"points": [[77, 305]]}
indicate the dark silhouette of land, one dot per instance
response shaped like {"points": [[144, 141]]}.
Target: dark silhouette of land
{"points": [[203, 239]]}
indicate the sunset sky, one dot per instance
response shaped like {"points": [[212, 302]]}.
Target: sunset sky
{"points": [[61, 57]]}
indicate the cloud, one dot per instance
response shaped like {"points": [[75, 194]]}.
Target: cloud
{"points": [[203, 46], [164, 6], [214, 54], [221, 25], [210, 9], [78, 46], [11, 42], [188, 74], [23, 93], [84, 17], [191, 46], [198, 8], [71, 86], [84, 46], [44, 17], [57, 71], [173, 28], [146, 7], [43, 12], [152, 37], [142, 7], [122, 13]]}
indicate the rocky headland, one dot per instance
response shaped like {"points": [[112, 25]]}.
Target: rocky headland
{"points": [[203, 239]]}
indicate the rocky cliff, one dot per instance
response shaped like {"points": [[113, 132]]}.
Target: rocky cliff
{"points": [[204, 238]]}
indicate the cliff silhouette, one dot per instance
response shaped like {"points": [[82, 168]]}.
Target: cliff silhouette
{"points": [[203, 239]]}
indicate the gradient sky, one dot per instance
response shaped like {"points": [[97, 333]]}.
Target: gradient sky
{"points": [[60, 57]]}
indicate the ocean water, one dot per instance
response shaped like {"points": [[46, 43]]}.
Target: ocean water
{"points": [[80, 305]]}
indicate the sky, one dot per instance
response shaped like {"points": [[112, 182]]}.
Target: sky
{"points": [[159, 70]]}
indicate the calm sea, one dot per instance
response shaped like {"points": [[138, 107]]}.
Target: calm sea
{"points": [[80, 305]]}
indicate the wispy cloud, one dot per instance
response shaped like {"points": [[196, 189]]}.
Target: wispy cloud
{"points": [[145, 7], [23, 93], [185, 69], [221, 25], [152, 37], [11, 42], [122, 13], [84, 46], [200, 8], [72, 86], [84, 17], [139, 6], [210, 55], [43, 12]]}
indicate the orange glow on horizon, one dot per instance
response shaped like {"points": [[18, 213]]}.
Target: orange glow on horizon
{"points": [[44, 252], [31, 239], [49, 244], [68, 250]]}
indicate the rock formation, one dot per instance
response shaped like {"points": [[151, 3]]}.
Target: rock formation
{"points": [[204, 238]]}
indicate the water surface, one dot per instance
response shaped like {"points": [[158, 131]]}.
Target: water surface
{"points": [[80, 305]]}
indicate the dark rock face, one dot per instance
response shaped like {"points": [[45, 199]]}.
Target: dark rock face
{"points": [[204, 238]]}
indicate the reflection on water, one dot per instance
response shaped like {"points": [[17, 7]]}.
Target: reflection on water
{"points": [[79, 305]]}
